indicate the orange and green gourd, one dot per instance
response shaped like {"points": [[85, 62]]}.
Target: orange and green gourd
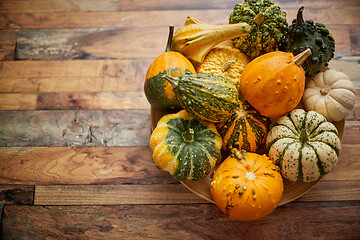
{"points": [[158, 91], [246, 129], [185, 147]]}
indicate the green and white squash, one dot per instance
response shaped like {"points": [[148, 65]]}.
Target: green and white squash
{"points": [[304, 145], [185, 147], [208, 97]]}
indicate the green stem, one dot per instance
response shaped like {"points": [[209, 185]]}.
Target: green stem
{"points": [[173, 81], [299, 17], [188, 135], [171, 34], [304, 138]]}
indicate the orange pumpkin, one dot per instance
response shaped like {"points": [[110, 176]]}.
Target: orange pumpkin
{"points": [[274, 82], [247, 186]]}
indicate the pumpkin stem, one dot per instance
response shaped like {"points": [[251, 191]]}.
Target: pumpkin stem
{"points": [[173, 81], [259, 18], [324, 91], [227, 65], [169, 41], [301, 57], [188, 135], [299, 17], [304, 138]]}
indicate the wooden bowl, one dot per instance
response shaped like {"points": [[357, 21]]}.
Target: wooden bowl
{"points": [[292, 190]]}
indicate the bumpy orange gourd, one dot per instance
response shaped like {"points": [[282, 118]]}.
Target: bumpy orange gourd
{"points": [[274, 82], [247, 186]]}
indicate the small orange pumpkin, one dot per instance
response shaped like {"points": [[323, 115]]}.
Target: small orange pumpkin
{"points": [[247, 186], [274, 82]]}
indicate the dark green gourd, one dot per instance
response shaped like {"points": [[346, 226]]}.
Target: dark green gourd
{"points": [[307, 34], [208, 97], [268, 26]]}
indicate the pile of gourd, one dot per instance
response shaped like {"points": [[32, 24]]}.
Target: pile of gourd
{"points": [[234, 110]]}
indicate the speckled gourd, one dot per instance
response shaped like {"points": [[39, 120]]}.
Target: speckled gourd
{"points": [[304, 145], [208, 97], [185, 147]]}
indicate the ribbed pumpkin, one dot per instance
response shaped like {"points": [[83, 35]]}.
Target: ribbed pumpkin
{"points": [[157, 90], [226, 61], [208, 97], [247, 186], [185, 147], [304, 144], [274, 82], [245, 129]]}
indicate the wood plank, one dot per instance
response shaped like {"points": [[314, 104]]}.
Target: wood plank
{"points": [[103, 43], [31, 6], [355, 39], [114, 165], [157, 18], [17, 101], [35, 6], [17, 194], [126, 75], [7, 44], [97, 100], [80, 165], [73, 195], [96, 128], [75, 128], [67, 44], [204, 221]]}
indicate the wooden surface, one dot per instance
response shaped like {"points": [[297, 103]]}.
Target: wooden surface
{"points": [[75, 127]]}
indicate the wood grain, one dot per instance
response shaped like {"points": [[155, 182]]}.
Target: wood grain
{"points": [[126, 75], [157, 18], [200, 221], [79, 165], [114, 194], [95, 43], [73, 195], [74, 128], [17, 194], [114, 165]]}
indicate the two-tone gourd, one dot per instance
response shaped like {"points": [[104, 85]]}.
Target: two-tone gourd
{"points": [[245, 129], [158, 91], [185, 147], [304, 144]]}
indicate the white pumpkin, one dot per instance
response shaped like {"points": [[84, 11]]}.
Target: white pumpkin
{"points": [[304, 145], [330, 93]]}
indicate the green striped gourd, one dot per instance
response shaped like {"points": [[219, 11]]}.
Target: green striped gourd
{"points": [[245, 129], [208, 97]]}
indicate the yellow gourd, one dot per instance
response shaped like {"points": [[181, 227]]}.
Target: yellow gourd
{"points": [[226, 61], [195, 39]]}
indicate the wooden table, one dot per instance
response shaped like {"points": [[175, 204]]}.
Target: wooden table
{"points": [[75, 127]]}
